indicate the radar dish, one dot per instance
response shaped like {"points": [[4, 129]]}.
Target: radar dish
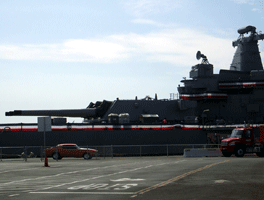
{"points": [[198, 55]]}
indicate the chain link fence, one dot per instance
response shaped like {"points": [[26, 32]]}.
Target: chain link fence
{"points": [[147, 150], [27, 152]]}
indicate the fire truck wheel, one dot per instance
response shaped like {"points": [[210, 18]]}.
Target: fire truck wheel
{"points": [[239, 152], [226, 154]]}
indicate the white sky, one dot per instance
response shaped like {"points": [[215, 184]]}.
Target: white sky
{"points": [[64, 54]]}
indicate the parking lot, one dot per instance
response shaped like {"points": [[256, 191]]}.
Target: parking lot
{"points": [[161, 177]]}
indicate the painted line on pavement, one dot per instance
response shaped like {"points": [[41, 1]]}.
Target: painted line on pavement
{"points": [[102, 176], [60, 174], [13, 195], [106, 193], [17, 170], [175, 179]]}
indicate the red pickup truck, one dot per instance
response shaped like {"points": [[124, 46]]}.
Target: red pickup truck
{"points": [[70, 150]]}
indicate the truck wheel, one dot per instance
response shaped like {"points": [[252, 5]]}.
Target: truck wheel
{"points": [[239, 152], [225, 154], [260, 154]]}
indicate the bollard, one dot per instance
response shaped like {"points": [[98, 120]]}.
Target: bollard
{"points": [[41, 156], [57, 153], [112, 151], [104, 152], [25, 150], [96, 154], [87, 149]]}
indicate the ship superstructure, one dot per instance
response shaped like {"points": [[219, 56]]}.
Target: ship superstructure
{"points": [[232, 96]]}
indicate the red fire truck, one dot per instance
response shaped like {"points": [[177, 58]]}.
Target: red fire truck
{"points": [[244, 140]]}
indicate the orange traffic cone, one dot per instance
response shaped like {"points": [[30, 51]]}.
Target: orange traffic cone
{"points": [[46, 162]]}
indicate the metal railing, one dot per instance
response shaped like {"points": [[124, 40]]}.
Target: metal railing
{"points": [[147, 150], [26, 152]]}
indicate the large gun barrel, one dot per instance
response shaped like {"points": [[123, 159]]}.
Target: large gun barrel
{"points": [[85, 113]]}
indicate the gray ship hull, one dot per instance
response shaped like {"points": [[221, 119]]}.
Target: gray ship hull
{"points": [[92, 138], [104, 136]]}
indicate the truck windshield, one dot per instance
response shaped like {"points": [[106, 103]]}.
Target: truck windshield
{"points": [[237, 134]]}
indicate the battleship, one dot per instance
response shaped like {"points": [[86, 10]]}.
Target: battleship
{"points": [[207, 103]]}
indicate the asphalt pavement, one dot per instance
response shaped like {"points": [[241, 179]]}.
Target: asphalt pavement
{"points": [[173, 177]]}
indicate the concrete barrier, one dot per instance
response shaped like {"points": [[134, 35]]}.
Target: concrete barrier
{"points": [[202, 152]]}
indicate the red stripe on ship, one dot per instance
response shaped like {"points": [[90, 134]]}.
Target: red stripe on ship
{"points": [[104, 128], [239, 85], [205, 96]]}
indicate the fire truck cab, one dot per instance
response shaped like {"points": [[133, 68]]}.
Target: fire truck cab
{"points": [[244, 140]]}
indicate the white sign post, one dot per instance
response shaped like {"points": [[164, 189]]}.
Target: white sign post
{"points": [[44, 124]]}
